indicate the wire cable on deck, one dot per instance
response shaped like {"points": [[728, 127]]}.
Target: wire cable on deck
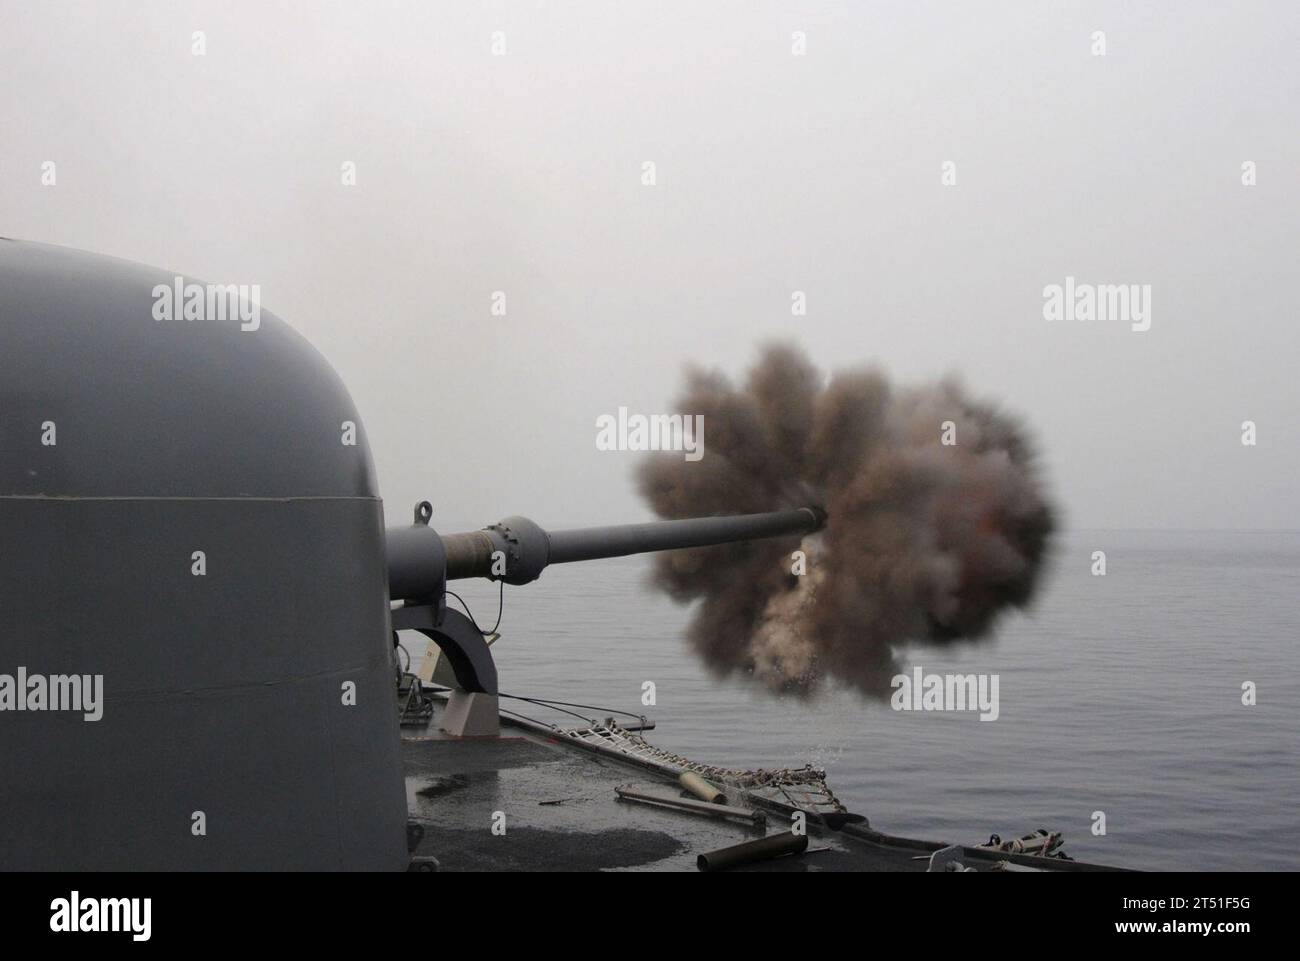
{"points": [[543, 702]]}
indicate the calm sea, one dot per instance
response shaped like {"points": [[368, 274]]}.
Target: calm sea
{"points": [[1120, 694]]}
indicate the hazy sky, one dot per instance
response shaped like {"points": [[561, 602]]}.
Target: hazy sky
{"points": [[775, 173]]}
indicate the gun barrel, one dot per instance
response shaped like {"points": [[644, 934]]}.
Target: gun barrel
{"points": [[516, 550], [591, 543]]}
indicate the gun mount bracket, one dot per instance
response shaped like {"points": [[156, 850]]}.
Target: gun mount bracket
{"points": [[472, 707]]}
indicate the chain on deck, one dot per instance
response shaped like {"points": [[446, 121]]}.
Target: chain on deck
{"points": [[804, 788]]}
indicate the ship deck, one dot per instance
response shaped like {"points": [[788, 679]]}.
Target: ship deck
{"points": [[529, 801]]}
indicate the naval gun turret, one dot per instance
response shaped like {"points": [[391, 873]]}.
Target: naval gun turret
{"points": [[516, 551], [197, 590]]}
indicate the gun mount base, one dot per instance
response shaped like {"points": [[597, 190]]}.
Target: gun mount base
{"points": [[472, 705], [471, 714]]}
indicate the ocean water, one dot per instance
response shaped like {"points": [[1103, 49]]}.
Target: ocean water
{"points": [[1120, 694]]}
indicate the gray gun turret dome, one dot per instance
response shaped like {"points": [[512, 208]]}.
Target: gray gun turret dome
{"points": [[163, 408], [181, 515]]}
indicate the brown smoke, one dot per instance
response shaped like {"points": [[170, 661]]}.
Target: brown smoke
{"points": [[925, 541]]}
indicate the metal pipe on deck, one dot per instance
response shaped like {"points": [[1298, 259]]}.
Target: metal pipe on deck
{"points": [[751, 852], [701, 788]]}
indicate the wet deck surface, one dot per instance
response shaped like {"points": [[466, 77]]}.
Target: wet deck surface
{"points": [[561, 813]]}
